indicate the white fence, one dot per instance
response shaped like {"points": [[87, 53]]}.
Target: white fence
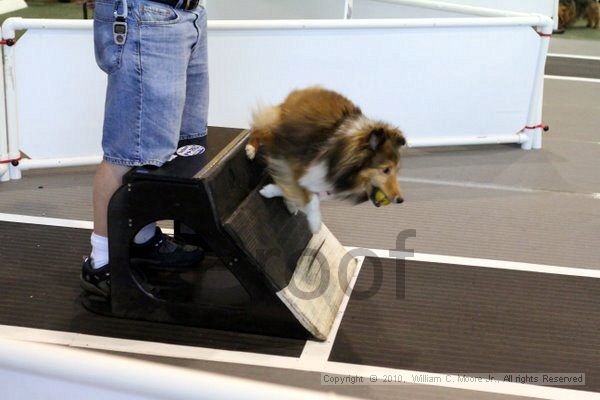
{"points": [[275, 9], [544, 7], [448, 80], [328, 9]]}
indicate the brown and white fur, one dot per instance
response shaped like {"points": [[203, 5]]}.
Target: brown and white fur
{"points": [[318, 141], [592, 14], [567, 14]]}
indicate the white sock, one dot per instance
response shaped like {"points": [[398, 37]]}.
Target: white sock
{"points": [[99, 251], [100, 244], [145, 234]]}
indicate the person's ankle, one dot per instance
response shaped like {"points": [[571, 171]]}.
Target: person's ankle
{"points": [[99, 255]]}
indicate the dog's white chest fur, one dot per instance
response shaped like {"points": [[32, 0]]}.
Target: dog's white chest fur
{"points": [[315, 178]]}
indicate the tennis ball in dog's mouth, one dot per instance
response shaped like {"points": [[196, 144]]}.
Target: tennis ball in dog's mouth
{"points": [[381, 198]]}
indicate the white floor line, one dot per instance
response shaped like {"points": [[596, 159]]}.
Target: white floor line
{"points": [[560, 139], [467, 184], [572, 78], [307, 364], [482, 263], [508, 188], [60, 222], [381, 253], [28, 219], [577, 56], [321, 350]]}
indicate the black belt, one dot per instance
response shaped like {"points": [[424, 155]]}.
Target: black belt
{"points": [[185, 4]]}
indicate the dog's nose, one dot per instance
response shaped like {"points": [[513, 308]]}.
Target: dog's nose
{"points": [[399, 200]]}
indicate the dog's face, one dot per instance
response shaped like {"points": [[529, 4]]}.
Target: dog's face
{"points": [[383, 164]]}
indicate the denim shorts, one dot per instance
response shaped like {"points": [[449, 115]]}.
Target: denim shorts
{"points": [[157, 90]]}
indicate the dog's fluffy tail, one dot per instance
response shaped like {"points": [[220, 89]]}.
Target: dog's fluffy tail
{"points": [[264, 119]]}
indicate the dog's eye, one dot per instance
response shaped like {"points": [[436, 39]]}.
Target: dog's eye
{"points": [[387, 170]]}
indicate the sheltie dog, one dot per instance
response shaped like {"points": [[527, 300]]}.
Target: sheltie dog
{"points": [[567, 14], [317, 141], [592, 14]]}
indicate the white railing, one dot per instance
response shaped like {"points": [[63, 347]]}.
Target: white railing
{"points": [[334, 9], [508, 8], [30, 371], [454, 8], [434, 77], [4, 157]]}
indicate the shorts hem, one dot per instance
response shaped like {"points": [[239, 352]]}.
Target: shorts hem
{"points": [[132, 163], [185, 136]]}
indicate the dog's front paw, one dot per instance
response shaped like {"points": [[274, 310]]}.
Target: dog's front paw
{"points": [[313, 214], [314, 223], [291, 207], [271, 191], [250, 152]]}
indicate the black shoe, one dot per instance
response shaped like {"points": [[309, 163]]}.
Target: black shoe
{"points": [[95, 281], [164, 253]]}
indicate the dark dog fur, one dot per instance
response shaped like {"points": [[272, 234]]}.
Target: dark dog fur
{"points": [[592, 14]]}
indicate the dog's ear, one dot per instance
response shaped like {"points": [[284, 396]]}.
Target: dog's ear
{"points": [[399, 140], [376, 138]]}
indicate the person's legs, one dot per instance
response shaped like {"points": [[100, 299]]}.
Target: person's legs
{"points": [[95, 274], [118, 146], [107, 180], [195, 112], [143, 112]]}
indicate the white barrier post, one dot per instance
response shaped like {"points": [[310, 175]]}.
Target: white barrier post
{"points": [[4, 174], [348, 6], [534, 119], [28, 164], [4, 158], [546, 32], [539, 132], [461, 141], [555, 14], [12, 126]]}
